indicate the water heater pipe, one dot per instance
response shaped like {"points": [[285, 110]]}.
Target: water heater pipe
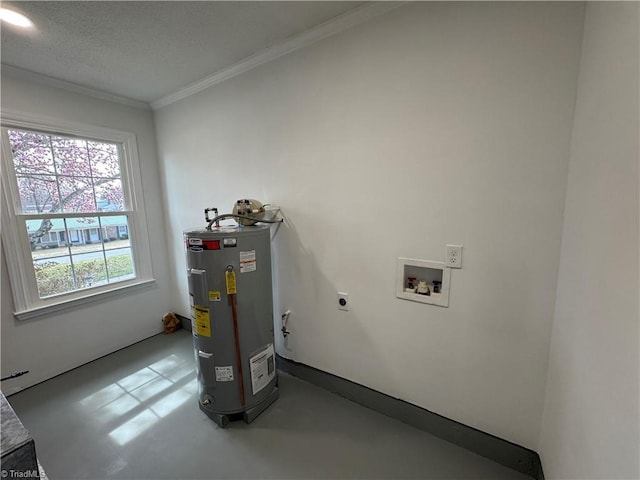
{"points": [[236, 335], [244, 217], [206, 215]]}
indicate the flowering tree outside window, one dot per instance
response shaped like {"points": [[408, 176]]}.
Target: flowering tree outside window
{"points": [[72, 201]]}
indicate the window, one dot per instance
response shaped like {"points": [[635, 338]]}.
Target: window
{"points": [[75, 226]]}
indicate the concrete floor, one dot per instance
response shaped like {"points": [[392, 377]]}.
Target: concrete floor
{"points": [[134, 415]]}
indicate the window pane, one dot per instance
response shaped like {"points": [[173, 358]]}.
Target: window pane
{"points": [[77, 194], [85, 234], [105, 159], [38, 193], [84, 230], [31, 152], [109, 195], [120, 264], [89, 269], [70, 156], [54, 276], [46, 234], [115, 231], [51, 261]]}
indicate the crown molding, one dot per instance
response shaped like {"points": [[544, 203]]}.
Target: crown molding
{"points": [[72, 87], [309, 37]]}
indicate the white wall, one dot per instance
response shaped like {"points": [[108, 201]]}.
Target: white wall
{"points": [[50, 345], [591, 418], [436, 123]]}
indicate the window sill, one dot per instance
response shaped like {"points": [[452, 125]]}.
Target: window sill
{"points": [[76, 302]]}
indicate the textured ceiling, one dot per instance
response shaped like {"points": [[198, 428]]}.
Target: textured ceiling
{"points": [[147, 50]]}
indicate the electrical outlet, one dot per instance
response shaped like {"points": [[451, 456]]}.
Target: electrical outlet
{"points": [[454, 256], [343, 301]]}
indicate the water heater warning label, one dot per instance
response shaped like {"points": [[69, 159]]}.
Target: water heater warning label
{"points": [[230, 280], [248, 261], [263, 368], [203, 322], [224, 374]]}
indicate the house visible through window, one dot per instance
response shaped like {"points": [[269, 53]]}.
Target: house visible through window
{"points": [[72, 210]]}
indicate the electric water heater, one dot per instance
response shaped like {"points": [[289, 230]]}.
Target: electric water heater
{"points": [[229, 271]]}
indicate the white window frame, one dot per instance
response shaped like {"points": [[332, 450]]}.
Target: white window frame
{"points": [[27, 301]]}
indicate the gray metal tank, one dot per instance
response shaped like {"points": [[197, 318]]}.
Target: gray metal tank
{"points": [[229, 270]]}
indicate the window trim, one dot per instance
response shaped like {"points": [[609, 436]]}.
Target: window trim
{"points": [[27, 302]]}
